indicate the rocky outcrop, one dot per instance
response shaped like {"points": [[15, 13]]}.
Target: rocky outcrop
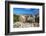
{"points": [[23, 18]]}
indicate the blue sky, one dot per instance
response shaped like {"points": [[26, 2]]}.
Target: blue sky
{"points": [[26, 11]]}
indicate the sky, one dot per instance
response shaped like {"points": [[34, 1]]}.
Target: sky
{"points": [[25, 11]]}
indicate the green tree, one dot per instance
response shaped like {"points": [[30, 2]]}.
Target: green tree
{"points": [[15, 18]]}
